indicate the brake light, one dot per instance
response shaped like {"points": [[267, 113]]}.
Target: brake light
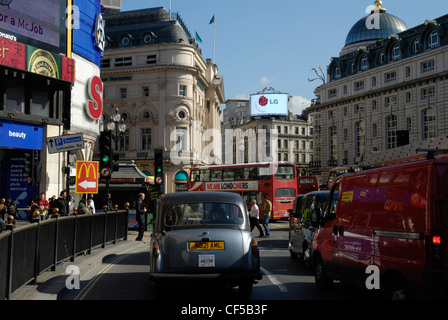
{"points": [[155, 250], [436, 240]]}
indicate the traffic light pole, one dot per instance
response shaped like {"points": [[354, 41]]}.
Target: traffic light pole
{"points": [[67, 183]]}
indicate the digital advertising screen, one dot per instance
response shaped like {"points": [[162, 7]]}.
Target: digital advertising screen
{"points": [[37, 23], [269, 104]]}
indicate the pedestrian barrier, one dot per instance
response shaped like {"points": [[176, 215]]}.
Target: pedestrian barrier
{"points": [[28, 251]]}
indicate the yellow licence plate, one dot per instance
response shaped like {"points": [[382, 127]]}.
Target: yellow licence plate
{"points": [[206, 245]]}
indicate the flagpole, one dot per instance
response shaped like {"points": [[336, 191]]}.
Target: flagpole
{"points": [[214, 24]]}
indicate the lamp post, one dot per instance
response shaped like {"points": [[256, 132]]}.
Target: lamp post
{"points": [[117, 124]]}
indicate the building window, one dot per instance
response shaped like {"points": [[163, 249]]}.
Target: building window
{"points": [[428, 93], [408, 97], [360, 139], [408, 72], [409, 124], [286, 129], [183, 90], [181, 140], [390, 76], [345, 134], [296, 158], [123, 62], [105, 63], [396, 53], [429, 123], [416, 45], [364, 63], [373, 104], [390, 101], [337, 73], [382, 57], [374, 130], [373, 81], [123, 143], [333, 143], [146, 138], [123, 93], [428, 66], [433, 40], [145, 92], [285, 144], [391, 131], [359, 85], [296, 144], [152, 59], [332, 93]]}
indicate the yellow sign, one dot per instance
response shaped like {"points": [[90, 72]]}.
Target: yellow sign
{"points": [[347, 197]]}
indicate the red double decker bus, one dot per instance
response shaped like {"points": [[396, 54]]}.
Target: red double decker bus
{"points": [[252, 181]]}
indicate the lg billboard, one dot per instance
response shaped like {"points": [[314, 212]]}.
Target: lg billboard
{"points": [[269, 104]]}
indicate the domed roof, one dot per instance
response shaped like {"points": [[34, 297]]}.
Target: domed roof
{"points": [[388, 24]]}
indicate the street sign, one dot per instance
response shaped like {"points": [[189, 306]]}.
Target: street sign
{"points": [[65, 143], [87, 176], [159, 180], [105, 172]]}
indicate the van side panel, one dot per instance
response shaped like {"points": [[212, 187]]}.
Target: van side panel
{"points": [[356, 206], [401, 220]]}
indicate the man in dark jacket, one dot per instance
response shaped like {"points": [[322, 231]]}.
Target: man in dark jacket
{"points": [[140, 214], [61, 204]]}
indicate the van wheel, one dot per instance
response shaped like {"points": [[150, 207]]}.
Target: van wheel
{"points": [[323, 281], [397, 289]]}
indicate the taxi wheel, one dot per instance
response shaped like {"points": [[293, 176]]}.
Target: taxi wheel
{"points": [[245, 289]]}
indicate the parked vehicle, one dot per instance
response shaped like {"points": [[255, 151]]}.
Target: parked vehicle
{"points": [[392, 218], [204, 236], [294, 212], [301, 232]]}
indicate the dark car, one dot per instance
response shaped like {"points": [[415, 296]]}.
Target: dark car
{"points": [[301, 232], [204, 236]]}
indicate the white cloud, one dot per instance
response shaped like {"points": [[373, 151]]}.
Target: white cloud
{"points": [[298, 104], [265, 80]]}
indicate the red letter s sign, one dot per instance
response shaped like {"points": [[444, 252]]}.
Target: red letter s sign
{"points": [[95, 104]]}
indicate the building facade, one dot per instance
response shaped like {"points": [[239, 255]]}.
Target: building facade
{"points": [[46, 62], [168, 96], [387, 87], [249, 139]]}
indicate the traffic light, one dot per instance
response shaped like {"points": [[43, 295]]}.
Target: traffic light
{"points": [[27, 164], [115, 166], [106, 151], [158, 163]]}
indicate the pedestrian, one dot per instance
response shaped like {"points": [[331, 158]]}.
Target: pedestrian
{"points": [[92, 204], [11, 209], [254, 215], [3, 208], [267, 215], [84, 208], [61, 203], [140, 215], [109, 203]]}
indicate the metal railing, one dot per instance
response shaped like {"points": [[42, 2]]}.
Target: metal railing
{"points": [[28, 251]]}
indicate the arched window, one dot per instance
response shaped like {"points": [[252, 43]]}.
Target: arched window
{"points": [[396, 53], [429, 123], [364, 63]]}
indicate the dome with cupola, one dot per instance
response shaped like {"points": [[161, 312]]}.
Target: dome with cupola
{"points": [[377, 25]]}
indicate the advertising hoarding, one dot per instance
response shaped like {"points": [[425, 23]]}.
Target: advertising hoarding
{"points": [[269, 104], [37, 23]]}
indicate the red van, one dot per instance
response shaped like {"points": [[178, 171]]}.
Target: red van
{"points": [[394, 218]]}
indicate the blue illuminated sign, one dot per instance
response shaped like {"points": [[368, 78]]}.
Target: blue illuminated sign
{"points": [[21, 135], [84, 42]]}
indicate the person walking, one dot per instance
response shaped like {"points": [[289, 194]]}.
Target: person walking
{"points": [[140, 215], [254, 215], [61, 203], [267, 215]]}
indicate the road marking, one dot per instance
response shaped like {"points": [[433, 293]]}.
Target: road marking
{"points": [[84, 291], [274, 280]]}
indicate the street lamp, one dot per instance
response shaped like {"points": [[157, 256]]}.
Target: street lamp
{"points": [[116, 123]]}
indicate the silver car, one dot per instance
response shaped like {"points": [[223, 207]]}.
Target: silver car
{"points": [[204, 236]]}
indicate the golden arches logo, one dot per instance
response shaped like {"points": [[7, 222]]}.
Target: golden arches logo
{"points": [[88, 165]]}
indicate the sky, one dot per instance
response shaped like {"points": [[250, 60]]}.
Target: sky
{"points": [[276, 43]]}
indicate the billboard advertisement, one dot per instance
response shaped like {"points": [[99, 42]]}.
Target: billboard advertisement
{"points": [[88, 30], [269, 104], [37, 23]]}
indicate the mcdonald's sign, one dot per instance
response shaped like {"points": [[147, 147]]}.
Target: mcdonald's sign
{"points": [[87, 176]]}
